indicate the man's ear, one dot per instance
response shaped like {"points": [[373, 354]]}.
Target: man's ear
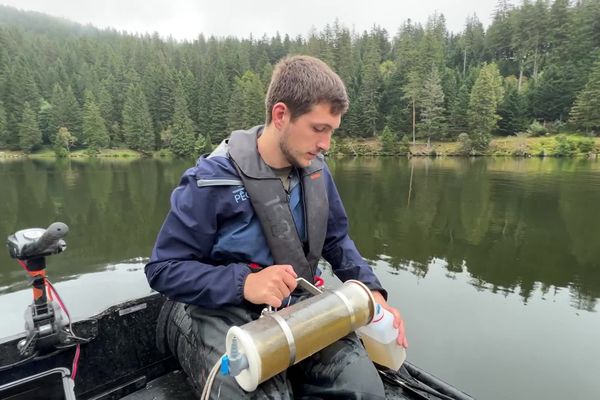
{"points": [[279, 114]]}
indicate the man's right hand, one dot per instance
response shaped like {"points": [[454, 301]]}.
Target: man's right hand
{"points": [[271, 285]]}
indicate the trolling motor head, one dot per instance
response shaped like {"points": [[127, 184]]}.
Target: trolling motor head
{"points": [[43, 320], [37, 242]]}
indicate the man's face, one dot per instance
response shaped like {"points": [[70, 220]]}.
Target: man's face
{"points": [[303, 139]]}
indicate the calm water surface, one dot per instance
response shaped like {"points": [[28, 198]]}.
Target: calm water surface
{"points": [[493, 263]]}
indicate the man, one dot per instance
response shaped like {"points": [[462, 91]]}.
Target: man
{"points": [[249, 219]]}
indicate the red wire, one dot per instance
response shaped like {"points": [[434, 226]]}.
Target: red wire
{"points": [[64, 308], [77, 349], [319, 281]]}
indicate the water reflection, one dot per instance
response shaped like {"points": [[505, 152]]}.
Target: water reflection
{"points": [[513, 225]]}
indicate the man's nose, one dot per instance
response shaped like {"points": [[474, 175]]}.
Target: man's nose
{"points": [[324, 142]]}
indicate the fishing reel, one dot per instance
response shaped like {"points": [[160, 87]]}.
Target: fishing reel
{"points": [[44, 321]]}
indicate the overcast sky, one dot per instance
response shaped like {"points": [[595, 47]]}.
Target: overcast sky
{"points": [[186, 19]]}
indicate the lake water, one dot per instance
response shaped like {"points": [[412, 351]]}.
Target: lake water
{"points": [[494, 263]]}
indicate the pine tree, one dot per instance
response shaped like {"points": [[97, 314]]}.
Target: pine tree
{"points": [[219, 99], [65, 112], [30, 136], [459, 107], [486, 96], [586, 110], [94, 132], [183, 140], [246, 104], [433, 121], [3, 127], [512, 111], [370, 90], [105, 104], [138, 131], [44, 117]]}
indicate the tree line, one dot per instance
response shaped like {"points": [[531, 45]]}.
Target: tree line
{"points": [[536, 68]]}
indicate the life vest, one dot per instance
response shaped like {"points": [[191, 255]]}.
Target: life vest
{"points": [[270, 203]]}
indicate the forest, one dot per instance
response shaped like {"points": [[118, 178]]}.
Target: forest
{"points": [[534, 71]]}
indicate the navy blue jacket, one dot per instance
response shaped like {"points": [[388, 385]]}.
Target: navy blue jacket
{"points": [[211, 234]]}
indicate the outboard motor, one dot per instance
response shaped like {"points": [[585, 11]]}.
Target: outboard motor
{"points": [[44, 321]]}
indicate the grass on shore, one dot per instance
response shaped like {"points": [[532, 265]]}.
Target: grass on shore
{"points": [[511, 146]]}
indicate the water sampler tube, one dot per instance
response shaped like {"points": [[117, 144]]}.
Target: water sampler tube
{"points": [[267, 346]]}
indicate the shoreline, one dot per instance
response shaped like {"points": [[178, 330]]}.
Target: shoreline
{"points": [[510, 146]]}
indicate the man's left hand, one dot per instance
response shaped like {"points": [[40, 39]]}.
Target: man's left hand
{"points": [[398, 322]]}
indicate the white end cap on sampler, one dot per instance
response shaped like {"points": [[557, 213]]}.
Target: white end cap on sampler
{"points": [[248, 378]]}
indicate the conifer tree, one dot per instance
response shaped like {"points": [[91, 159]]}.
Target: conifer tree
{"points": [[458, 120], [219, 99], [433, 121], [138, 131], [586, 110], [370, 93], [3, 127], [183, 138], [44, 117], [94, 132], [246, 104], [30, 136], [512, 111], [486, 96]]}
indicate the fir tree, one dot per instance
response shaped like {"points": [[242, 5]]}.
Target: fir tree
{"points": [[433, 122], [183, 140], [94, 132], [512, 111], [219, 99], [3, 127], [486, 95], [44, 117], [138, 131], [30, 136], [586, 110], [246, 104]]}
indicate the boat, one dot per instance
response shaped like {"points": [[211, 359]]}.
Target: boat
{"points": [[119, 353]]}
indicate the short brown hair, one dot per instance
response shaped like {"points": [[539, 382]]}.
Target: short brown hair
{"points": [[300, 82]]}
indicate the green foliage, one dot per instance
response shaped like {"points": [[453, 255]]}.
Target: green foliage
{"points": [[138, 131], [389, 142], [586, 110], [433, 121], [586, 145], [474, 143], [547, 49], [464, 143], [536, 129], [247, 102], [486, 96], [202, 145], [480, 141], [95, 133], [63, 141], [565, 146], [30, 136], [512, 112], [404, 146], [3, 127], [44, 117], [182, 142]]}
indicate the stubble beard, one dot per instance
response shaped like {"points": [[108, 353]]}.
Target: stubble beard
{"points": [[286, 151]]}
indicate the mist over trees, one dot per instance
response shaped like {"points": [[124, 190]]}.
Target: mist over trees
{"points": [[537, 61]]}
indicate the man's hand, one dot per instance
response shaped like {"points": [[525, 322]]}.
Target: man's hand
{"points": [[271, 285], [398, 322]]}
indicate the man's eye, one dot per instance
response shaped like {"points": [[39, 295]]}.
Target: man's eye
{"points": [[319, 129]]}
